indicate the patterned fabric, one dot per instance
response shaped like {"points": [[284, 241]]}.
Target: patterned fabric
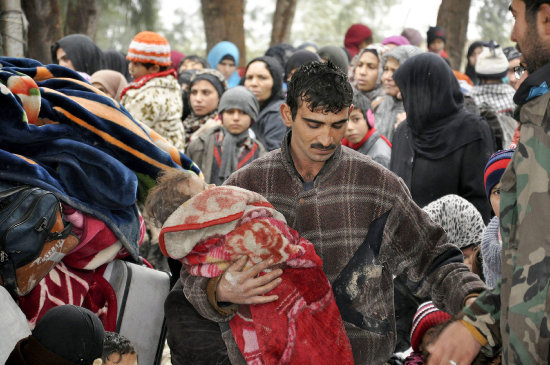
{"points": [[352, 196], [514, 316], [155, 100], [499, 96], [491, 252], [459, 218], [216, 227], [61, 134], [149, 47]]}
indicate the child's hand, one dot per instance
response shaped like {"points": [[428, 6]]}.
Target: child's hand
{"points": [[246, 287]]}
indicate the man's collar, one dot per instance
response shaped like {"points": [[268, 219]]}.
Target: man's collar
{"points": [[535, 85]]}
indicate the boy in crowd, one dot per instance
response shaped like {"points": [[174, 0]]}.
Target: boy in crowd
{"points": [[117, 349], [154, 98], [222, 150]]}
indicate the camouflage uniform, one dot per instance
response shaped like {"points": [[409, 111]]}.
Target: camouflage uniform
{"points": [[514, 316]]}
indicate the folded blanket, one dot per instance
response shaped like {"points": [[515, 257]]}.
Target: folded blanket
{"points": [[214, 228], [63, 135]]}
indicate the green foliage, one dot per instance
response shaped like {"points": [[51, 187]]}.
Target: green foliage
{"points": [[494, 21], [119, 21]]}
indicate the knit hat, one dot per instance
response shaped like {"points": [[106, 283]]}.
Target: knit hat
{"points": [[239, 97], [495, 168], [413, 35], [356, 34], [398, 40], [459, 218], [426, 317], [212, 76], [491, 62], [149, 47], [511, 53], [436, 33]]}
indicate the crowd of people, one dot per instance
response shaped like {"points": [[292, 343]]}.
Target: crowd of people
{"points": [[365, 203]]}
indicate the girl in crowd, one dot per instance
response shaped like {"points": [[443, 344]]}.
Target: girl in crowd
{"points": [[224, 57], [441, 148], [78, 52], [390, 112], [471, 58], [205, 91], [264, 77]]}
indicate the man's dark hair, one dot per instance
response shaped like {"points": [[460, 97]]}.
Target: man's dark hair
{"points": [[532, 8], [321, 85], [114, 343]]}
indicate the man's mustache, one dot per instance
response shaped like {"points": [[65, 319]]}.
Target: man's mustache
{"points": [[324, 148]]}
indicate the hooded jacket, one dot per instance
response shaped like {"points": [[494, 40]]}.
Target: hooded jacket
{"points": [[441, 148]]}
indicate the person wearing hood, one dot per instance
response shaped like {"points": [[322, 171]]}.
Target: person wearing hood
{"points": [[357, 37], [65, 335], [224, 57], [441, 148], [116, 61], [110, 82], [298, 59], [78, 52], [335, 55], [264, 77], [281, 52], [390, 112], [205, 90], [366, 74]]}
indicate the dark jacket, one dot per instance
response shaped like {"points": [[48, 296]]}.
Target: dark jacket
{"points": [[269, 127], [441, 148]]}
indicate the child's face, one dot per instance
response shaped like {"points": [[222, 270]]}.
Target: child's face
{"points": [[437, 45], [137, 70], [203, 98], [235, 121], [190, 65], [126, 359], [357, 127], [494, 198], [226, 67], [468, 254]]}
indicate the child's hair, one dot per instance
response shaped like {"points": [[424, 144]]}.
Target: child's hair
{"points": [[164, 198], [114, 343], [149, 65]]}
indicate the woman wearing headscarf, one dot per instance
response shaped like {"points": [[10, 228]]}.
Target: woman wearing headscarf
{"points": [[110, 82], [335, 55], [65, 335], [78, 52], [205, 91], [441, 149], [299, 58], [390, 112], [224, 57], [357, 37], [115, 60], [264, 77], [366, 74], [471, 57]]}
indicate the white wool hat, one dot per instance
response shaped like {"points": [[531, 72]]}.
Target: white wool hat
{"points": [[491, 62]]}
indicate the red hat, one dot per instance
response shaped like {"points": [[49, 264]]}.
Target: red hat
{"points": [[149, 47], [426, 317], [356, 34]]}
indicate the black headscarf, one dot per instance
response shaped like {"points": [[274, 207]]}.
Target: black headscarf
{"points": [[85, 55], [276, 72], [438, 122], [298, 59], [115, 60], [471, 69]]}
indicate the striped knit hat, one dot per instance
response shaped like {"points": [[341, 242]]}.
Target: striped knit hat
{"points": [[149, 47], [495, 168], [426, 317]]}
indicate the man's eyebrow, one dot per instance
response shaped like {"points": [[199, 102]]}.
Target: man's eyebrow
{"points": [[309, 120]]}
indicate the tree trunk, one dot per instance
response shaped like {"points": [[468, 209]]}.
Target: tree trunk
{"points": [[282, 21], [82, 17], [453, 17], [12, 19], [224, 21], [45, 21]]}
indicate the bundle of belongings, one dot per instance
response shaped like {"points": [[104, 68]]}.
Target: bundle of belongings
{"points": [[215, 228], [73, 164]]}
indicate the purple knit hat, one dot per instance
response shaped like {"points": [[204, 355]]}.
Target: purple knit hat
{"points": [[398, 40], [495, 168]]}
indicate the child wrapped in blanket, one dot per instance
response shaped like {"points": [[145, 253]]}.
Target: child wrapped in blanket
{"points": [[209, 227]]}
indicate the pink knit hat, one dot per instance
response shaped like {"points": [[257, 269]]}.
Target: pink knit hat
{"points": [[426, 317], [149, 47]]}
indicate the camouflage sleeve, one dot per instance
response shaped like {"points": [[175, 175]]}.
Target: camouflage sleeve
{"points": [[484, 315]]}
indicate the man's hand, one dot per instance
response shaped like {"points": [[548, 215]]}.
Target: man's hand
{"points": [[246, 287], [454, 346]]}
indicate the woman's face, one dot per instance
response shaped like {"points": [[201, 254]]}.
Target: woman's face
{"points": [[203, 98], [473, 57], [63, 59], [258, 80], [387, 77], [366, 71]]}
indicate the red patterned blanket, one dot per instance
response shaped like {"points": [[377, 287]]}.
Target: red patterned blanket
{"points": [[215, 228]]}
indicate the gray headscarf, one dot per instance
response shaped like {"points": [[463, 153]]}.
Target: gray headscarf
{"points": [[386, 114], [379, 50]]}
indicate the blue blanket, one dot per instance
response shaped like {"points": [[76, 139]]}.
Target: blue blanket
{"points": [[61, 134]]}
